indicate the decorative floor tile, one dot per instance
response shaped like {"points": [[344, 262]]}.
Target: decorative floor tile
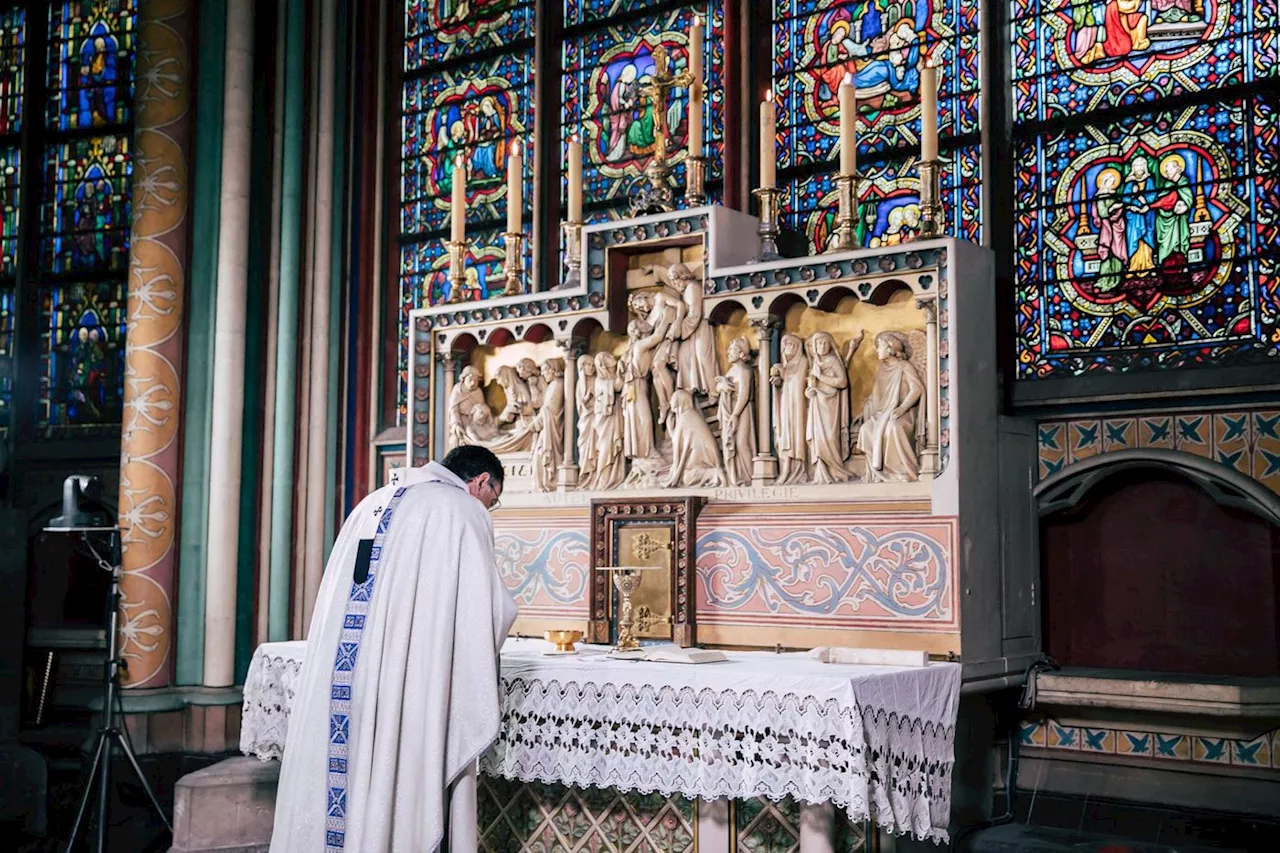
{"points": [[1212, 750], [1097, 740], [1119, 434], [1063, 737], [1137, 744], [1252, 753], [767, 827], [1172, 746], [1034, 734]]}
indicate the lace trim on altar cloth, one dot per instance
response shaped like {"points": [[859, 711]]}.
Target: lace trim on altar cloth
{"points": [[885, 765]]}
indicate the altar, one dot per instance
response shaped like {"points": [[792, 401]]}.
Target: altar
{"points": [[874, 742]]}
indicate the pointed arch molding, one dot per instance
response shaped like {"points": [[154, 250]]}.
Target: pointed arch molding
{"points": [[1068, 487]]}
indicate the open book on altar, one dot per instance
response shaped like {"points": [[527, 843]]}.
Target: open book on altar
{"points": [[676, 654]]}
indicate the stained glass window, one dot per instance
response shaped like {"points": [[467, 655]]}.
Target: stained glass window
{"points": [[87, 183], [6, 356], [607, 65], [90, 63], [1140, 235], [816, 45], [10, 215], [82, 351], [468, 91], [12, 56]]}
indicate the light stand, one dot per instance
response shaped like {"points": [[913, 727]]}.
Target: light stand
{"points": [[76, 520]]}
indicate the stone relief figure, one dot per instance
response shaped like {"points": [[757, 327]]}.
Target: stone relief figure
{"points": [[523, 388], [609, 463], [585, 390], [463, 399], [827, 389], [534, 380], [737, 426], [548, 428], [637, 410], [695, 460], [696, 366], [650, 348], [790, 410], [891, 430]]}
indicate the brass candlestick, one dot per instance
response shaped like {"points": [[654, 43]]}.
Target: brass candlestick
{"points": [[572, 253], [457, 272], [768, 228], [847, 186], [931, 213], [695, 184], [513, 266]]}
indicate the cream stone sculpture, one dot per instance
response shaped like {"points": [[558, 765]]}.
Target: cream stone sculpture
{"points": [[737, 423], [695, 459], [548, 427], [696, 354], [585, 390], [637, 409], [893, 422], [463, 399], [828, 427], [609, 463], [791, 410]]}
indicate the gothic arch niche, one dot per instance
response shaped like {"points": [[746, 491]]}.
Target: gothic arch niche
{"points": [[1160, 561]]}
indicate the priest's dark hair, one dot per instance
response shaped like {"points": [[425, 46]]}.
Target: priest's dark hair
{"points": [[469, 461]]}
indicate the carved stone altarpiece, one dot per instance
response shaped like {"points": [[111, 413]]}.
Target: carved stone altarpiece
{"points": [[645, 533]]}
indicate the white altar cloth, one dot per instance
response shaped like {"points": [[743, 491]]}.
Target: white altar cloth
{"points": [[876, 741]]}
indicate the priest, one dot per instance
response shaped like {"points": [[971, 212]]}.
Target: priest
{"points": [[398, 696]]}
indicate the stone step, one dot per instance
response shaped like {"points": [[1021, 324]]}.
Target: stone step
{"points": [[228, 807]]}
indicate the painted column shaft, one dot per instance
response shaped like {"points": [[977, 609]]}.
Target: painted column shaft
{"points": [[318, 391], [229, 343], [150, 451]]}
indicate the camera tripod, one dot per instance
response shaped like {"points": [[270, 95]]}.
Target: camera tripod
{"points": [[112, 731]]}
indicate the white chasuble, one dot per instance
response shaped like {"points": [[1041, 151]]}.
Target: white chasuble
{"points": [[398, 696]]}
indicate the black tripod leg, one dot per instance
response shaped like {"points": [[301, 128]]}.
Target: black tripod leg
{"points": [[88, 790], [146, 786]]}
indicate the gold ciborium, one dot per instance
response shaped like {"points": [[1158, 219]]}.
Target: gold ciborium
{"points": [[626, 580], [563, 640]]}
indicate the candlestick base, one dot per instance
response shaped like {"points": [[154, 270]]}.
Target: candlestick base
{"points": [[845, 239], [513, 266], [457, 250], [695, 184], [768, 228], [932, 214], [572, 254], [654, 193]]}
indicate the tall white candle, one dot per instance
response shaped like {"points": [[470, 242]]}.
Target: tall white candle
{"points": [[695, 50], [768, 143], [575, 179], [928, 112], [695, 126], [458, 209], [515, 189], [695, 87], [848, 127]]}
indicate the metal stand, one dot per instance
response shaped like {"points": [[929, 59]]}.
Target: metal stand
{"points": [[111, 732], [847, 187], [513, 266], [572, 255], [695, 183], [768, 228], [931, 213], [457, 272]]}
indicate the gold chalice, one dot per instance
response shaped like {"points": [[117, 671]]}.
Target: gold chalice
{"points": [[562, 640]]}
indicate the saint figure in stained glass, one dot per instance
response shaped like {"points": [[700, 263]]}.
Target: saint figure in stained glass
{"points": [[86, 384], [97, 77], [90, 219], [875, 42]]}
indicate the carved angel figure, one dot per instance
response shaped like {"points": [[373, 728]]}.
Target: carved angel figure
{"points": [[827, 389], [695, 460], [891, 431], [790, 410], [737, 426], [610, 466], [585, 389], [548, 428]]}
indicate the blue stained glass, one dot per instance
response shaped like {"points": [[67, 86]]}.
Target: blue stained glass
{"points": [[816, 43], [6, 357], [90, 63], [10, 181], [12, 57], [87, 201], [605, 69], [1085, 55], [437, 30], [477, 110], [889, 202], [82, 358], [1139, 241], [586, 11]]}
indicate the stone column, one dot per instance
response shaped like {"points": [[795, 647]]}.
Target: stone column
{"points": [[569, 467], [765, 464], [929, 453], [150, 453], [228, 368]]}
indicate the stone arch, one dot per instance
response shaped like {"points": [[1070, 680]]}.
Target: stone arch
{"points": [[1068, 487]]}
